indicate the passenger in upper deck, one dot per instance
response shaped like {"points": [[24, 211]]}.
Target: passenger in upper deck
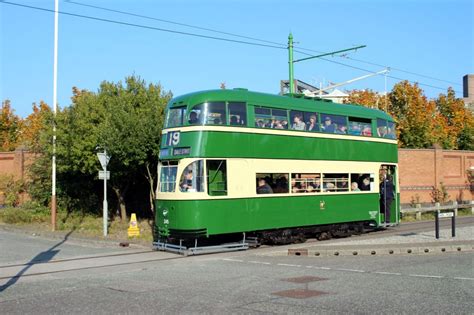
{"points": [[328, 126], [312, 126], [193, 118], [298, 124], [234, 121]]}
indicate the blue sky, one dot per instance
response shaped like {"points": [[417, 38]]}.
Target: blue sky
{"points": [[433, 38]]}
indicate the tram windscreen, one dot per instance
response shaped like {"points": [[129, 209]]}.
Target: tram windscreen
{"points": [[168, 172], [175, 117]]}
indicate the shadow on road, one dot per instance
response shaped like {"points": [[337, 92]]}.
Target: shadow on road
{"points": [[42, 257]]}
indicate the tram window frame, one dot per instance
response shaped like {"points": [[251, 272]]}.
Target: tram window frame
{"points": [[168, 186], [204, 110], [391, 130], [182, 116], [381, 128], [307, 119], [300, 183], [240, 113], [364, 126], [271, 180], [216, 166], [337, 180], [361, 185], [197, 182], [270, 118], [337, 121], [293, 115]]}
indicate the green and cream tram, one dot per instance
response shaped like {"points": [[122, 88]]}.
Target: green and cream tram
{"points": [[235, 161]]}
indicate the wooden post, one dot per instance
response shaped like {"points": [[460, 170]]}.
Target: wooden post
{"points": [[418, 213], [455, 204]]}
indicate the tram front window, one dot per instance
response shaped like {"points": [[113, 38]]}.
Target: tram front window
{"points": [[175, 117], [168, 172], [210, 113], [192, 178]]}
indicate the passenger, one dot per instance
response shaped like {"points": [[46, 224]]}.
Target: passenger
{"points": [[355, 129], [260, 124], [342, 129], [234, 121], [263, 187], [298, 124], [278, 125], [217, 121], [367, 131], [343, 184], [328, 126], [365, 186], [193, 118], [310, 188], [187, 184], [354, 186], [284, 123], [281, 185], [329, 186], [386, 195], [312, 126]]}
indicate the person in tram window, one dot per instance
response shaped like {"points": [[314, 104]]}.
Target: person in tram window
{"points": [[187, 183], [328, 126], [386, 194], [312, 126], [354, 186], [342, 129], [284, 123], [263, 187], [365, 184], [193, 118], [234, 121], [298, 124]]}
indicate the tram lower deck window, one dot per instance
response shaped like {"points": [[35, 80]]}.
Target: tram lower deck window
{"points": [[272, 183], [192, 178], [305, 183], [336, 182]]}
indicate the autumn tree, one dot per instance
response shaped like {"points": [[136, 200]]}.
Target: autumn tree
{"points": [[10, 126], [32, 126], [368, 98]]}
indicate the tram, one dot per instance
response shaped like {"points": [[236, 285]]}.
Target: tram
{"points": [[279, 168]]}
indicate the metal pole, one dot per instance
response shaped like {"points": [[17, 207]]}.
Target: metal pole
{"points": [[290, 63], [105, 206], [55, 106], [453, 225], [437, 224]]}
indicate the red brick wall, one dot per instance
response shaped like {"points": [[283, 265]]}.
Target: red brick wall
{"points": [[421, 169]]}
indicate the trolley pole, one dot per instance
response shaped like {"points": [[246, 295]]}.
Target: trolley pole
{"points": [[291, 63]]}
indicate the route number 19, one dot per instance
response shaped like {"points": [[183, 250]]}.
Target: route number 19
{"points": [[173, 138]]}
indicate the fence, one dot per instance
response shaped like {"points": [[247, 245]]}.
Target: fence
{"points": [[418, 210]]}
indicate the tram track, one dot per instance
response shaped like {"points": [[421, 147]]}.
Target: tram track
{"points": [[31, 269]]}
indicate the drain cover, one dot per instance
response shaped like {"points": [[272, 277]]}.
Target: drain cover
{"points": [[299, 293], [304, 279]]}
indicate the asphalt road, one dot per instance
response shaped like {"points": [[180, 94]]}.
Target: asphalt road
{"points": [[113, 280]]}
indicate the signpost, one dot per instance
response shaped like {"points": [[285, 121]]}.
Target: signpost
{"points": [[105, 175], [440, 215]]}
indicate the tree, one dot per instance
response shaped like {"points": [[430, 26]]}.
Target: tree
{"points": [[368, 98], [10, 126], [32, 125]]}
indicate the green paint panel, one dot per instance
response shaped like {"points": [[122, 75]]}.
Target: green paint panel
{"points": [[213, 144], [241, 215]]}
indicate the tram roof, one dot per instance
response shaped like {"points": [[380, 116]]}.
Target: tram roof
{"points": [[295, 102]]}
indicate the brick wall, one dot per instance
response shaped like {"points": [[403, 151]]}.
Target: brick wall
{"points": [[15, 164], [421, 169]]}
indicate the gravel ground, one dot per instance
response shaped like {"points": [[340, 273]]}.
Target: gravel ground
{"points": [[462, 234]]}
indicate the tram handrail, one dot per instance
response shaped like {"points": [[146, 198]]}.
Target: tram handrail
{"points": [[437, 207]]}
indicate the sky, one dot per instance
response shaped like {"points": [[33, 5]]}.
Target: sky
{"points": [[433, 38]]}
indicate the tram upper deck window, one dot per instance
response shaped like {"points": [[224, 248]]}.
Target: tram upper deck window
{"points": [[175, 117], [312, 121], [192, 179], [209, 113], [168, 176], [360, 127], [334, 124], [386, 129], [237, 114], [271, 118]]}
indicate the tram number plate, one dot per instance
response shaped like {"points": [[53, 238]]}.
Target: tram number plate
{"points": [[446, 215], [173, 138]]}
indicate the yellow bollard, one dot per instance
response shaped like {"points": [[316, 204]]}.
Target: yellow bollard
{"points": [[133, 229]]}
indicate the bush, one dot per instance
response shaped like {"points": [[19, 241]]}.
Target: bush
{"points": [[29, 212]]}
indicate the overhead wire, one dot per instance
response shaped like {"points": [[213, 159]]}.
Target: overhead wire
{"points": [[280, 45], [142, 26], [260, 40]]}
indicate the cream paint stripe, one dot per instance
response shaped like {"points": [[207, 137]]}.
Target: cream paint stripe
{"points": [[265, 131], [241, 176]]}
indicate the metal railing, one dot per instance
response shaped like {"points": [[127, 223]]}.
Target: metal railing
{"points": [[418, 210]]}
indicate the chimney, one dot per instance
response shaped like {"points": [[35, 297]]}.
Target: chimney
{"points": [[468, 87]]}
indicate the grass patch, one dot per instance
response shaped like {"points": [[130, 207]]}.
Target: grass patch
{"points": [[39, 218]]}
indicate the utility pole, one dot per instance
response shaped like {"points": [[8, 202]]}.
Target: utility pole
{"points": [[291, 62], [55, 104]]}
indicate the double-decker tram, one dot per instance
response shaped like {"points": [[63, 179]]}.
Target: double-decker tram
{"points": [[276, 168]]}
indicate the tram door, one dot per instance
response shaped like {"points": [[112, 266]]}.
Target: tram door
{"points": [[388, 194]]}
